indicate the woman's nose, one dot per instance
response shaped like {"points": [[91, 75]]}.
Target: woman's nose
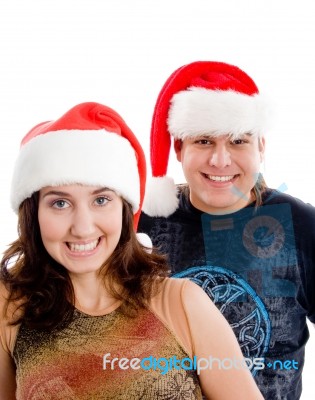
{"points": [[83, 224]]}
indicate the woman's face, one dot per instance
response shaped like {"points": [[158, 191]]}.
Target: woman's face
{"points": [[80, 225]]}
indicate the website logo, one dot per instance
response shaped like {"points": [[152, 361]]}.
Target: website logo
{"points": [[164, 364]]}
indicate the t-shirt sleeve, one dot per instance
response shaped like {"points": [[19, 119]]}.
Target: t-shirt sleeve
{"points": [[304, 221], [7, 332], [204, 332], [7, 367], [168, 306]]}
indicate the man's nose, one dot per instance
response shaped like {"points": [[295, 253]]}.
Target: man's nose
{"points": [[220, 157]]}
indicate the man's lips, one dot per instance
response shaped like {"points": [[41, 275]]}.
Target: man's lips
{"points": [[220, 178]]}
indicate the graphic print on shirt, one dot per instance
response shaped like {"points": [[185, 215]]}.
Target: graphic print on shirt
{"points": [[69, 364], [241, 253], [228, 291]]}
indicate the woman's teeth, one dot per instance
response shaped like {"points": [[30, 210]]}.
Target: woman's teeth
{"points": [[83, 247]]}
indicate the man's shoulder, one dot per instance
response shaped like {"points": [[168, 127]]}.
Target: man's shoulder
{"points": [[284, 206], [273, 196], [186, 212]]}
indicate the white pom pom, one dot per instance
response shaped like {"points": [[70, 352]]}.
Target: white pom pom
{"points": [[145, 240], [160, 198]]}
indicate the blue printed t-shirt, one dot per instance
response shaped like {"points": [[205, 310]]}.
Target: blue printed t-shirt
{"points": [[258, 266]]}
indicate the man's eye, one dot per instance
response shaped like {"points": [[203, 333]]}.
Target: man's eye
{"points": [[238, 141], [203, 141]]}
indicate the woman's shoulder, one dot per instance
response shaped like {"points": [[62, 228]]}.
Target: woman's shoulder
{"points": [[172, 288], [179, 297], [8, 311], [183, 306], [7, 308], [182, 288], [169, 306], [4, 294]]}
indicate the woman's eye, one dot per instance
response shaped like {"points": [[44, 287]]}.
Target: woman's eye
{"points": [[60, 204], [101, 201]]}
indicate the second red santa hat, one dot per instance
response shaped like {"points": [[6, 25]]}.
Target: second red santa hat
{"points": [[202, 98]]}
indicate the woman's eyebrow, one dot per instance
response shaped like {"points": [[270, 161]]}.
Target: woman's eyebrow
{"points": [[61, 193], [104, 189], [56, 193]]}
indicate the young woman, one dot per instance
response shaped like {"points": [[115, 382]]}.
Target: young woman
{"points": [[87, 311]]}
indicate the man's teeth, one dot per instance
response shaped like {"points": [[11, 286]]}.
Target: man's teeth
{"points": [[83, 247], [220, 178]]}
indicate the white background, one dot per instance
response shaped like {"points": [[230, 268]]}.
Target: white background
{"points": [[55, 54]]}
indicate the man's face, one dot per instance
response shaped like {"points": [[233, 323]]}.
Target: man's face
{"points": [[221, 171]]}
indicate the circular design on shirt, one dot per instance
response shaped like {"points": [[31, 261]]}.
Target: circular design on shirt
{"points": [[263, 236], [239, 304]]}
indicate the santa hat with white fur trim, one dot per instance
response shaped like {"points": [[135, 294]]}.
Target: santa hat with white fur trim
{"points": [[201, 98], [90, 144]]}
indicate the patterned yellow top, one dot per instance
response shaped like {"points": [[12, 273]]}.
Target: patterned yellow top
{"points": [[82, 361]]}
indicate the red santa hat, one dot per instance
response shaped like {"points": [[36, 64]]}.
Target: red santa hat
{"points": [[201, 98], [90, 144]]}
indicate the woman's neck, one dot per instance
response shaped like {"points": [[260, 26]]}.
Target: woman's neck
{"points": [[91, 295]]}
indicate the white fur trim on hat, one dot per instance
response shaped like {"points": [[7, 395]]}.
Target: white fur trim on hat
{"points": [[145, 241], [199, 111], [96, 158], [161, 198]]}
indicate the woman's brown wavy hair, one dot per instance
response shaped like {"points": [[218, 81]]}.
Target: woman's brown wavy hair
{"points": [[43, 289]]}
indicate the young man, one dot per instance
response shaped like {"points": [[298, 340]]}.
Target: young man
{"points": [[251, 248]]}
